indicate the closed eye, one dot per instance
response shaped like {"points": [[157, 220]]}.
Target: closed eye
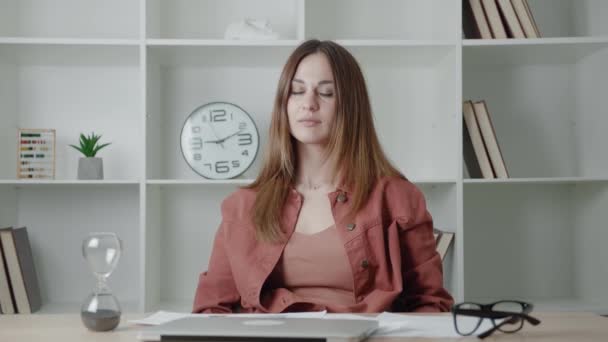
{"points": [[302, 92]]}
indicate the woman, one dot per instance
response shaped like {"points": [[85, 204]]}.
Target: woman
{"points": [[329, 224]]}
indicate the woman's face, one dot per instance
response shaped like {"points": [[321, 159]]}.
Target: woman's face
{"points": [[311, 107]]}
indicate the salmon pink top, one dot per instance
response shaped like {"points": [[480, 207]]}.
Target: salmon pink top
{"points": [[315, 268]]}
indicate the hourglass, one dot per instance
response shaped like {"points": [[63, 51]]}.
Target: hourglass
{"points": [[100, 310]]}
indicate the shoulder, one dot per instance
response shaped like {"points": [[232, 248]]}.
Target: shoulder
{"points": [[400, 196], [396, 186], [238, 205]]}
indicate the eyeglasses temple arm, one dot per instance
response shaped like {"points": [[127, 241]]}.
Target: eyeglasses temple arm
{"points": [[528, 318], [496, 327]]}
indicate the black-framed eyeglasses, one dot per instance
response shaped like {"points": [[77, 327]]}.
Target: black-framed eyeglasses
{"points": [[506, 315]]}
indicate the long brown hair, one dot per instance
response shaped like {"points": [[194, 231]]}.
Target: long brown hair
{"points": [[353, 141]]}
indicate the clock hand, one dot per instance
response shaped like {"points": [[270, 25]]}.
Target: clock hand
{"points": [[230, 136], [213, 130], [219, 142]]}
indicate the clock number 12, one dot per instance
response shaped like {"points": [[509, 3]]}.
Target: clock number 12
{"points": [[217, 115]]}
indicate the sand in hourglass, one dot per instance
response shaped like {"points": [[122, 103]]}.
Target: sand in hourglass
{"points": [[102, 320]]}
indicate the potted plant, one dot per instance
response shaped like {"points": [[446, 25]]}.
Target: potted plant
{"points": [[89, 166]]}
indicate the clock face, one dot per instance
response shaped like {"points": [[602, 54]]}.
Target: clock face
{"points": [[219, 140]]}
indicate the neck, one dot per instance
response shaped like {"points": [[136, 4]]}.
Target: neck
{"points": [[314, 170]]}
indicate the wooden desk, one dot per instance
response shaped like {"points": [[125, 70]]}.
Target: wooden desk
{"points": [[68, 328]]}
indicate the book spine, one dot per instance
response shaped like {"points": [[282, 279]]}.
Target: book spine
{"points": [[14, 272], [511, 20], [6, 298], [489, 136], [28, 271], [477, 141], [522, 14], [481, 21], [491, 10]]}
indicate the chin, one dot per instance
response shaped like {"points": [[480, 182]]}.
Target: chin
{"points": [[311, 139]]}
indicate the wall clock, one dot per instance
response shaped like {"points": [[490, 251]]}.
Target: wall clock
{"points": [[219, 140]]}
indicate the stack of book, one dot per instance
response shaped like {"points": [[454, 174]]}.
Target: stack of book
{"points": [[498, 19], [19, 290], [481, 152]]}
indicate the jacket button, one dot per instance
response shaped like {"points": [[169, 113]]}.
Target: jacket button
{"points": [[351, 226], [341, 198], [365, 263]]}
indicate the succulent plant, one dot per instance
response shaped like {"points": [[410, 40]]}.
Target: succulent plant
{"points": [[88, 145]]}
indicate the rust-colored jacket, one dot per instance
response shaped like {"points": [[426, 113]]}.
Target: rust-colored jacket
{"points": [[390, 246]]}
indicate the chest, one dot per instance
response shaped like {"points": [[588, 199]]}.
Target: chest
{"points": [[315, 214]]}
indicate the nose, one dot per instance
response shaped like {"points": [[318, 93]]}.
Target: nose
{"points": [[309, 101]]}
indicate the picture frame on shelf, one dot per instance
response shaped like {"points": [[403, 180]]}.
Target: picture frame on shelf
{"points": [[36, 153]]}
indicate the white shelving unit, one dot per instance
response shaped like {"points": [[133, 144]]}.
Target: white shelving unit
{"points": [[538, 236], [134, 70]]}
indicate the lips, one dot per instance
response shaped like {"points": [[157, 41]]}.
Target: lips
{"points": [[309, 122]]}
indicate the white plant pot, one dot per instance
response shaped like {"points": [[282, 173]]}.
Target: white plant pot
{"points": [[90, 168]]}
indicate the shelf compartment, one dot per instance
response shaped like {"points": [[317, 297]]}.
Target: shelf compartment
{"points": [[69, 18], [539, 242], [182, 78], [58, 219], [570, 18], [547, 114], [73, 89], [193, 19], [404, 83], [395, 19], [566, 19], [181, 224], [441, 202]]}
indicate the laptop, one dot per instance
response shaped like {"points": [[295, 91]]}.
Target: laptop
{"points": [[231, 329]]}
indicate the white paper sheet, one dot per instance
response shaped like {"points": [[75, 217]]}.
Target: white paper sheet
{"points": [[347, 316], [161, 317], [314, 314], [422, 325]]}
